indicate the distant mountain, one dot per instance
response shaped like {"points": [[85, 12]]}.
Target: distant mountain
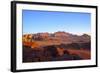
{"points": [[61, 36]]}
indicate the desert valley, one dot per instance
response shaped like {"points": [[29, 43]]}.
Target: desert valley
{"points": [[57, 46]]}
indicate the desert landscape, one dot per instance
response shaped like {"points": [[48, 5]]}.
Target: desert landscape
{"points": [[55, 36], [57, 46]]}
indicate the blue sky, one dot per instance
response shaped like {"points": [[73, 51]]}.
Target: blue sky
{"points": [[51, 21]]}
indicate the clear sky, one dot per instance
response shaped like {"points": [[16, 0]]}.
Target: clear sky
{"points": [[51, 21]]}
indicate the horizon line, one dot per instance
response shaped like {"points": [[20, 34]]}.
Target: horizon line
{"points": [[59, 31]]}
